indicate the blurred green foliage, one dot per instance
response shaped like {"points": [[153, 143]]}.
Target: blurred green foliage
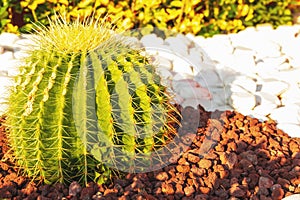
{"points": [[200, 17]]}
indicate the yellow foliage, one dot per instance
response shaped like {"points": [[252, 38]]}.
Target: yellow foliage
{"points": [[204, 17], [243, 10], [250, 14]]}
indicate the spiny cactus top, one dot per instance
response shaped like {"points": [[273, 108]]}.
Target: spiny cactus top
{"points": [[85, 101]]}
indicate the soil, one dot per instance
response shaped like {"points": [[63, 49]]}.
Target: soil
{"points": [[232, 156]]}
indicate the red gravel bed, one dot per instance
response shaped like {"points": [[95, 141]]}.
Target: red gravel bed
{"points": [[232, 156]]}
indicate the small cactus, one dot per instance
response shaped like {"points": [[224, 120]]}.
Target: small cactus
{"points": [[84, 102]]}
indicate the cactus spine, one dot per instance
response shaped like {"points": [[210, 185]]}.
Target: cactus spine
{"points": [[84, 99]]}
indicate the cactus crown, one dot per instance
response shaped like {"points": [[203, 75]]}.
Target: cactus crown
{"points": [[73, 37]]}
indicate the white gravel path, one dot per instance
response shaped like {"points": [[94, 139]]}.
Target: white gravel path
{"points": [[256, 71]]}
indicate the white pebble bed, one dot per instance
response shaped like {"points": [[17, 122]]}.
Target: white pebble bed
{"points": [[255, 72]]}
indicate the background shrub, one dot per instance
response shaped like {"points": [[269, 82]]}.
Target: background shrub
{"points": [[200, 17]]}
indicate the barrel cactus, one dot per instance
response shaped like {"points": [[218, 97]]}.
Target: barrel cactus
{"points": [[85, 102]]}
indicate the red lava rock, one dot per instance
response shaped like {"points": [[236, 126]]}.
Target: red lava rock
{"points": [[74, 188], [223, 174], [162, 176], [263, 197], [283, 182], [211, 179], [204, 163], [179, 190], [222, 193], [42, 198], [193, 158], [167, 188], [29, 188], [182, 168], [231, 146], [204, 190], [230, 157], [265, 182], [201, 197], [253, 180], [189, 190], [245, 164], [263, 191], [182, 161], [87, 193], [237, 191], [216, 134], [198, 171], [250, 155], [277, 192]]}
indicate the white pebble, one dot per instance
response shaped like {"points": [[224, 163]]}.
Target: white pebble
{"points": [[151, 40], [8, 39], [3, 108], [287, 114], [273, 86], [243, 101], [291, 96], [246, 83], [208, 78], [264, 109], [292, 130], [5, 84], [177, 45], [265, 98]]}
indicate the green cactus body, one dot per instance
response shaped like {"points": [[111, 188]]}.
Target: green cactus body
{"points": [[75, 106]]}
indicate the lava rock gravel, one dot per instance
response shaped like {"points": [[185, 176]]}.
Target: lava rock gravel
{"points": [[231, 156]]}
